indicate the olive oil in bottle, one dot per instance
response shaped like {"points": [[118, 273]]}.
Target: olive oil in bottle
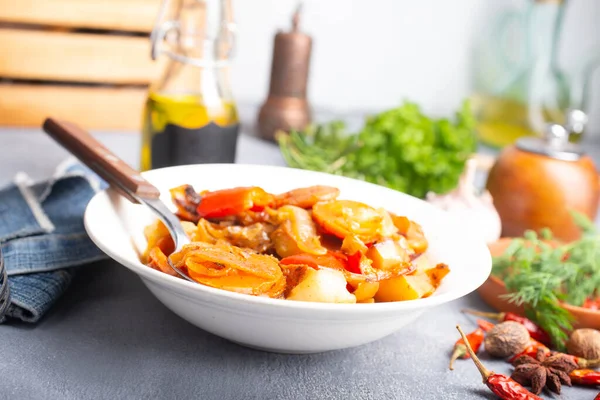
{"points": [[501, 121], [182, 129], [190, 116], [519, 88]]}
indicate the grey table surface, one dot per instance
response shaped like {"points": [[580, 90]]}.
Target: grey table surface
{"points": [[109, 338]]}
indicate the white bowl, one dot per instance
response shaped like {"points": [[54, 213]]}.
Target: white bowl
{"points": [[285, 326]]}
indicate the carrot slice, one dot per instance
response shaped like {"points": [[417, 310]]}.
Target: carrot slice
{"points": [[347, 217], [307, 197]]}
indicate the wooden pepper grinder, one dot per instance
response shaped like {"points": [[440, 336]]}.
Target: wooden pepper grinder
{"points": [[286, 106], [536, 181]]}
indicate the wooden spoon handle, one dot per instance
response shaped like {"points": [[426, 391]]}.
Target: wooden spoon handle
{"points": [[102, 161]]}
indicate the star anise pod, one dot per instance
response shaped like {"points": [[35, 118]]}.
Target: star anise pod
{"points": [[548, 370]]}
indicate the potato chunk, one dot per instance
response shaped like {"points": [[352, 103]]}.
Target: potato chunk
{"points": [[437, 273], [406, 287], [322, 285], [413, 232], [410, 287], [389, 254], [365, 291]]}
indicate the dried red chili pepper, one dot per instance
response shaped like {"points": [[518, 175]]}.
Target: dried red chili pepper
{"points": [[597, 397], [485, 325], [501, 385], [475, 339], [534, 330], [585, 377], [531, 350]]}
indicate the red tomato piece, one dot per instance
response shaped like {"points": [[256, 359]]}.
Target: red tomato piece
{"points": [[227, 202]]}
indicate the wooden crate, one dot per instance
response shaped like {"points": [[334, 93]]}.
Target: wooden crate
{"points": [[83, 60]]}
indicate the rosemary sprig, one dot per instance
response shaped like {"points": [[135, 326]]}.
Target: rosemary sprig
{"points": [[540, 277]]}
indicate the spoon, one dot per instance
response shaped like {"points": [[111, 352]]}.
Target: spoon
{"points": [[119, 175]]}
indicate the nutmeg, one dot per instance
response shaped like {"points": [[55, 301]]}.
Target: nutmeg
{"points": [[584, 343], [506, 339]]}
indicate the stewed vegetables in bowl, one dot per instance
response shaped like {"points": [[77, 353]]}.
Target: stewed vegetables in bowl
{"points": [[304, 244]]}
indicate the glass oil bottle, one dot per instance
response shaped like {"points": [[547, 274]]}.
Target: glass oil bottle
{"points": [[190, 116]]}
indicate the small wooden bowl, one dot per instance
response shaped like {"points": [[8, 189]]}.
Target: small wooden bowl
{"points": [[493, 288]]}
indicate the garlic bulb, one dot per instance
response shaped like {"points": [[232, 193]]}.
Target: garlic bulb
{"points": [[467, 207]]}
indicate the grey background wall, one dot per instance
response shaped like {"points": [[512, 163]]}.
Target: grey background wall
{"points": [[371, 54]]}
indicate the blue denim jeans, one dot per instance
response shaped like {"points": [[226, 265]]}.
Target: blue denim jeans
{"points": [[42, 237]]}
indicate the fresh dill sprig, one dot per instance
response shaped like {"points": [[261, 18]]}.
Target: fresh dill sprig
{"points": [[539, 276]]}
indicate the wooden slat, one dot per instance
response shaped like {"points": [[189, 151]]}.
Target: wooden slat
{"points": [[126, 15], [93, 107], [76, 57]]}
